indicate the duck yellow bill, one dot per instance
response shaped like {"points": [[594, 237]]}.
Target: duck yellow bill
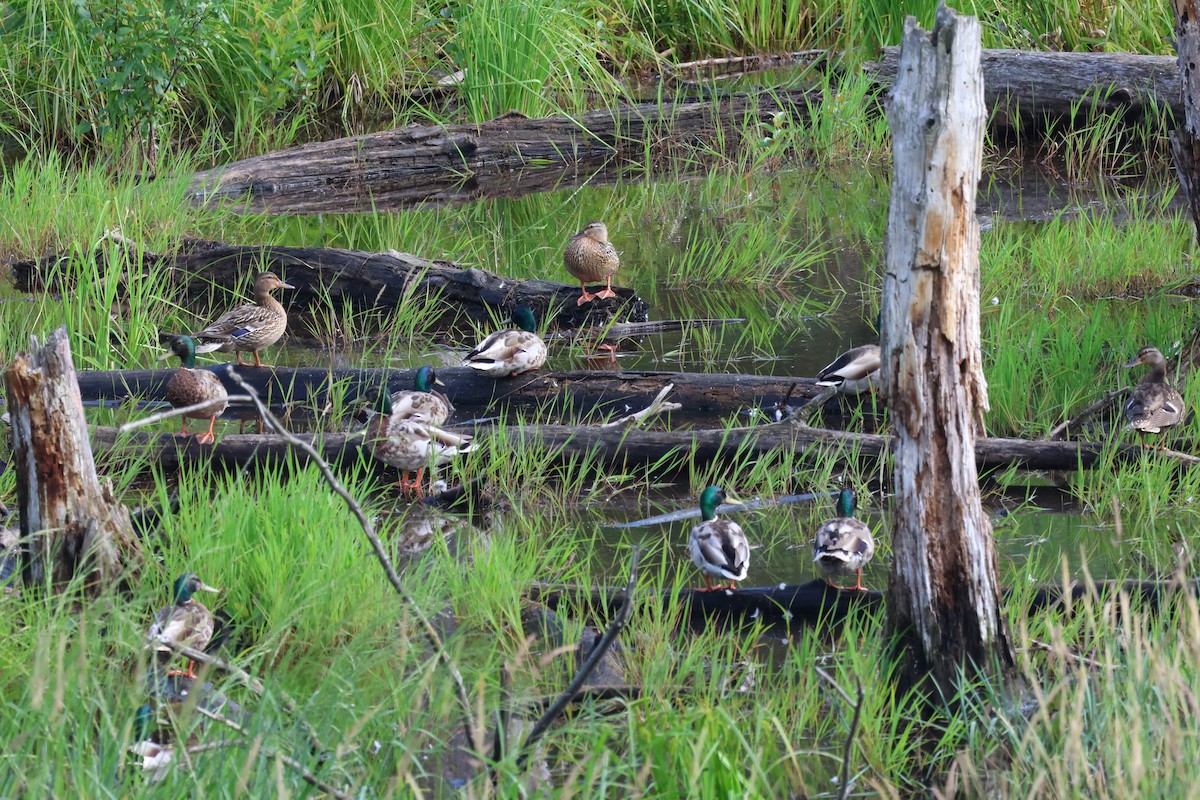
{"points": [[166, 355], [204, 587]]}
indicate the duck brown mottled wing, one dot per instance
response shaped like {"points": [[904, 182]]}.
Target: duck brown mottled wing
{"points": [[190, 386]]}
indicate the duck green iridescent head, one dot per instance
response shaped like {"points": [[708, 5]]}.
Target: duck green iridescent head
{"points": [[383, 405], [846, 502], [185, 348], [523, 318], [710, 498], [425, 379], [188, 584], [143, 722]]}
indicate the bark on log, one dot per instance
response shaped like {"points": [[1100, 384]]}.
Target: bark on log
{"points": [[612, 447], [1023, 89], [943, 592], [584, 393], [1185, 140], [71, 526], [509, 156], [329, 279]]}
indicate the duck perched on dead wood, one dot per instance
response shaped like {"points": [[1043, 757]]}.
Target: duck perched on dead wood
{"points": [[854, 371], [843, 545], [1154, 404], [248, 328], [410, 446], [591, 258], [422, 403], [185, 622], [190, 386], [718, 547], [511, 351], [155, 752]]}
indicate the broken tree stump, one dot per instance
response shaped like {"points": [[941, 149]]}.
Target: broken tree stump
{"points": [[71, 526], [943, 596]]}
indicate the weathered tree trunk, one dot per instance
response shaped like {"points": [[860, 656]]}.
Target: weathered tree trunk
{"points": [[71, 526], [943, 595], [1185, 140]]}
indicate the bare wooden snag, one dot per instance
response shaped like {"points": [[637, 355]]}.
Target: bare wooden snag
{"points": [[71, 526], [943, 594], [1185, 140]]}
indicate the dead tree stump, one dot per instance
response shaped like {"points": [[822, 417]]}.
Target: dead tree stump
{"points": [[1185, 140], [71, 527], [943, 594]]}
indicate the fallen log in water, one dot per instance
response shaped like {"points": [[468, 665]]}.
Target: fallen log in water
{"points": [[706, 397], [816, 602], [616, 448], [329, 279]]}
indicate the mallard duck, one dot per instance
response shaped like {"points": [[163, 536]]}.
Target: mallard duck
{"points": [[718, 546], [248, 328], [854, 371], [1154, 404], [156, 755], [591, 258], [843, 545], [422, 403], [189, 386], [409, 445], [186, 622], [511, 351]]}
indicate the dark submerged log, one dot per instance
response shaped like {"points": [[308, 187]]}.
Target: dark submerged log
{"points": [[328, 279], [71, 526]]}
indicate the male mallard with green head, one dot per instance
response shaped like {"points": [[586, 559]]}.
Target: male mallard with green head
{"points": [[156, 754], [718, 547], [1154, 404], [422, 403], [190, 386], [511, 351], [248, 328], [591, 258], [185, 622], [409, 445], [843, 545]]}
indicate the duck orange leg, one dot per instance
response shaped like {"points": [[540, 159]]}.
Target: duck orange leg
{"points": [[208, 437], [586, 297], [607, 291]]}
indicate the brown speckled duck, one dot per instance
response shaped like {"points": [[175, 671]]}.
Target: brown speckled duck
{"points": [[843, 545], [718, 546], [1154, 404], [185, 622], [409, 445], [422, 403], [591, 258], [190, 386], [248, 328], [511, 351]]}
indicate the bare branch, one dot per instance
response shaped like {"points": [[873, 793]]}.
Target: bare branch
{"points": [[159, 416]]}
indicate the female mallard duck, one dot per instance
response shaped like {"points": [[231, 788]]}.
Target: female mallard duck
{"points": [[718, 546], [248, 328], [854, 371], [422, 403], [511, 351], [186, 622], [1155, 404], [155, 753], [190, 386], [409, 445], [843, 545], [591, 258]]}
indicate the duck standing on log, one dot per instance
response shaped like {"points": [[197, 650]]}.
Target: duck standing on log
{"points": [[422, 403], [186, 622], [190, 386], [854, 371], [843, 545], [718, 547], [511, 351], [410, 446], [1154, 404], [248, 328], [591, 258]]}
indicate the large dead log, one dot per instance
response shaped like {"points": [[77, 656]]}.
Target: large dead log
{"points": [[943, 592], [329, 279], [1024, 89], [71, 526], [509, 156], [613, 447]]}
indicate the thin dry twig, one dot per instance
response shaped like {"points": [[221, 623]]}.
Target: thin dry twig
{"points": [[1089, 412], [159, 416], [844, 782], [1045, 647], [586, 668], [267, 752], [657, 406], [464, 698]]}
